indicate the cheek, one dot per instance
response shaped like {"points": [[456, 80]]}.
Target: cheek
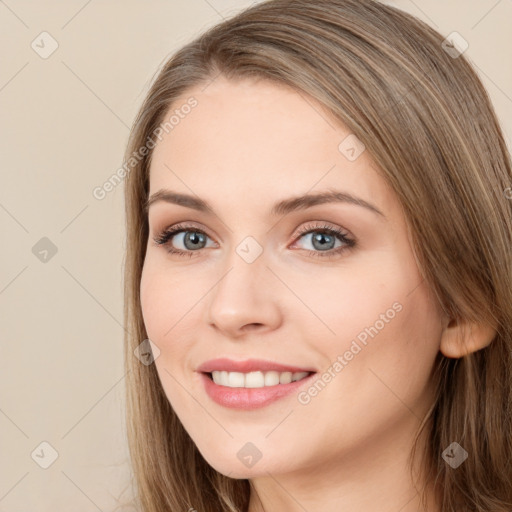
{"points": [[149, 289], [159, 297], [348, 300], [162, 291], [158, 302], [380, 310], [379, 362], [390, 346], [170, 304]]}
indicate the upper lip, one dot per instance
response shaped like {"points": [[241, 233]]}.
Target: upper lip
{"points": [[249, 365]]}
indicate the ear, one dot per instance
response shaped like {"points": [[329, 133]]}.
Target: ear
{"points": [[461, 337]]}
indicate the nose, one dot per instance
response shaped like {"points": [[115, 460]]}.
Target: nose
{"points": [[245, 300]]}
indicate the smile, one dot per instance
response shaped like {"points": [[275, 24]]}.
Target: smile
{"points": [[257, 379], [241, 396]]}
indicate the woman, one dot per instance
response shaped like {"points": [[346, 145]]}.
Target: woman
{"points": [[318, 270]]}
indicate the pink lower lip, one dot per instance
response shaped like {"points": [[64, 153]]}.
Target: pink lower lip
{"points": [[249, 398]]}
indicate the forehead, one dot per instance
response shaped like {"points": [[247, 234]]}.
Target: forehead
{"points": [[260, 140]]}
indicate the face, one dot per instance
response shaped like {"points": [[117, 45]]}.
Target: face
{"points": [[326, 287]]}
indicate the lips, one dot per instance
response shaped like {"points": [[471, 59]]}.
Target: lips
{"points": [[249, 365], [250, 398]]}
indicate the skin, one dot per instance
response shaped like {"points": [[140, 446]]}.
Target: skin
{"points": [[247, 145]]}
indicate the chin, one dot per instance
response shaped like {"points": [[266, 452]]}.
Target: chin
{"points": [[234, 468]]}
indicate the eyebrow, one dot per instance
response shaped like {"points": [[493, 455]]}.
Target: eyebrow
{"points": [[282, 207]]}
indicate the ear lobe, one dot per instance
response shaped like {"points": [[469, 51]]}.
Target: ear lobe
{"points": [[462, 337]]}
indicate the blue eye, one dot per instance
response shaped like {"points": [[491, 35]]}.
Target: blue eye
{"points": [[322, 238], [192, 237]]}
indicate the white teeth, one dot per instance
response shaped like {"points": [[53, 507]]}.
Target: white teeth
{"points": [[235, 380], [285, 378], [271, 378], [255, 379]]}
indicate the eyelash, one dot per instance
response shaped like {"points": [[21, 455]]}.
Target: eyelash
{"points": [[166, 235]]}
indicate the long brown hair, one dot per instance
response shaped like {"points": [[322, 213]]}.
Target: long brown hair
{"points": [[428, 123]]}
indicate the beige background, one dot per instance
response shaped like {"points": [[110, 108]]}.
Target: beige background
{"points": [[65, 122]]}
